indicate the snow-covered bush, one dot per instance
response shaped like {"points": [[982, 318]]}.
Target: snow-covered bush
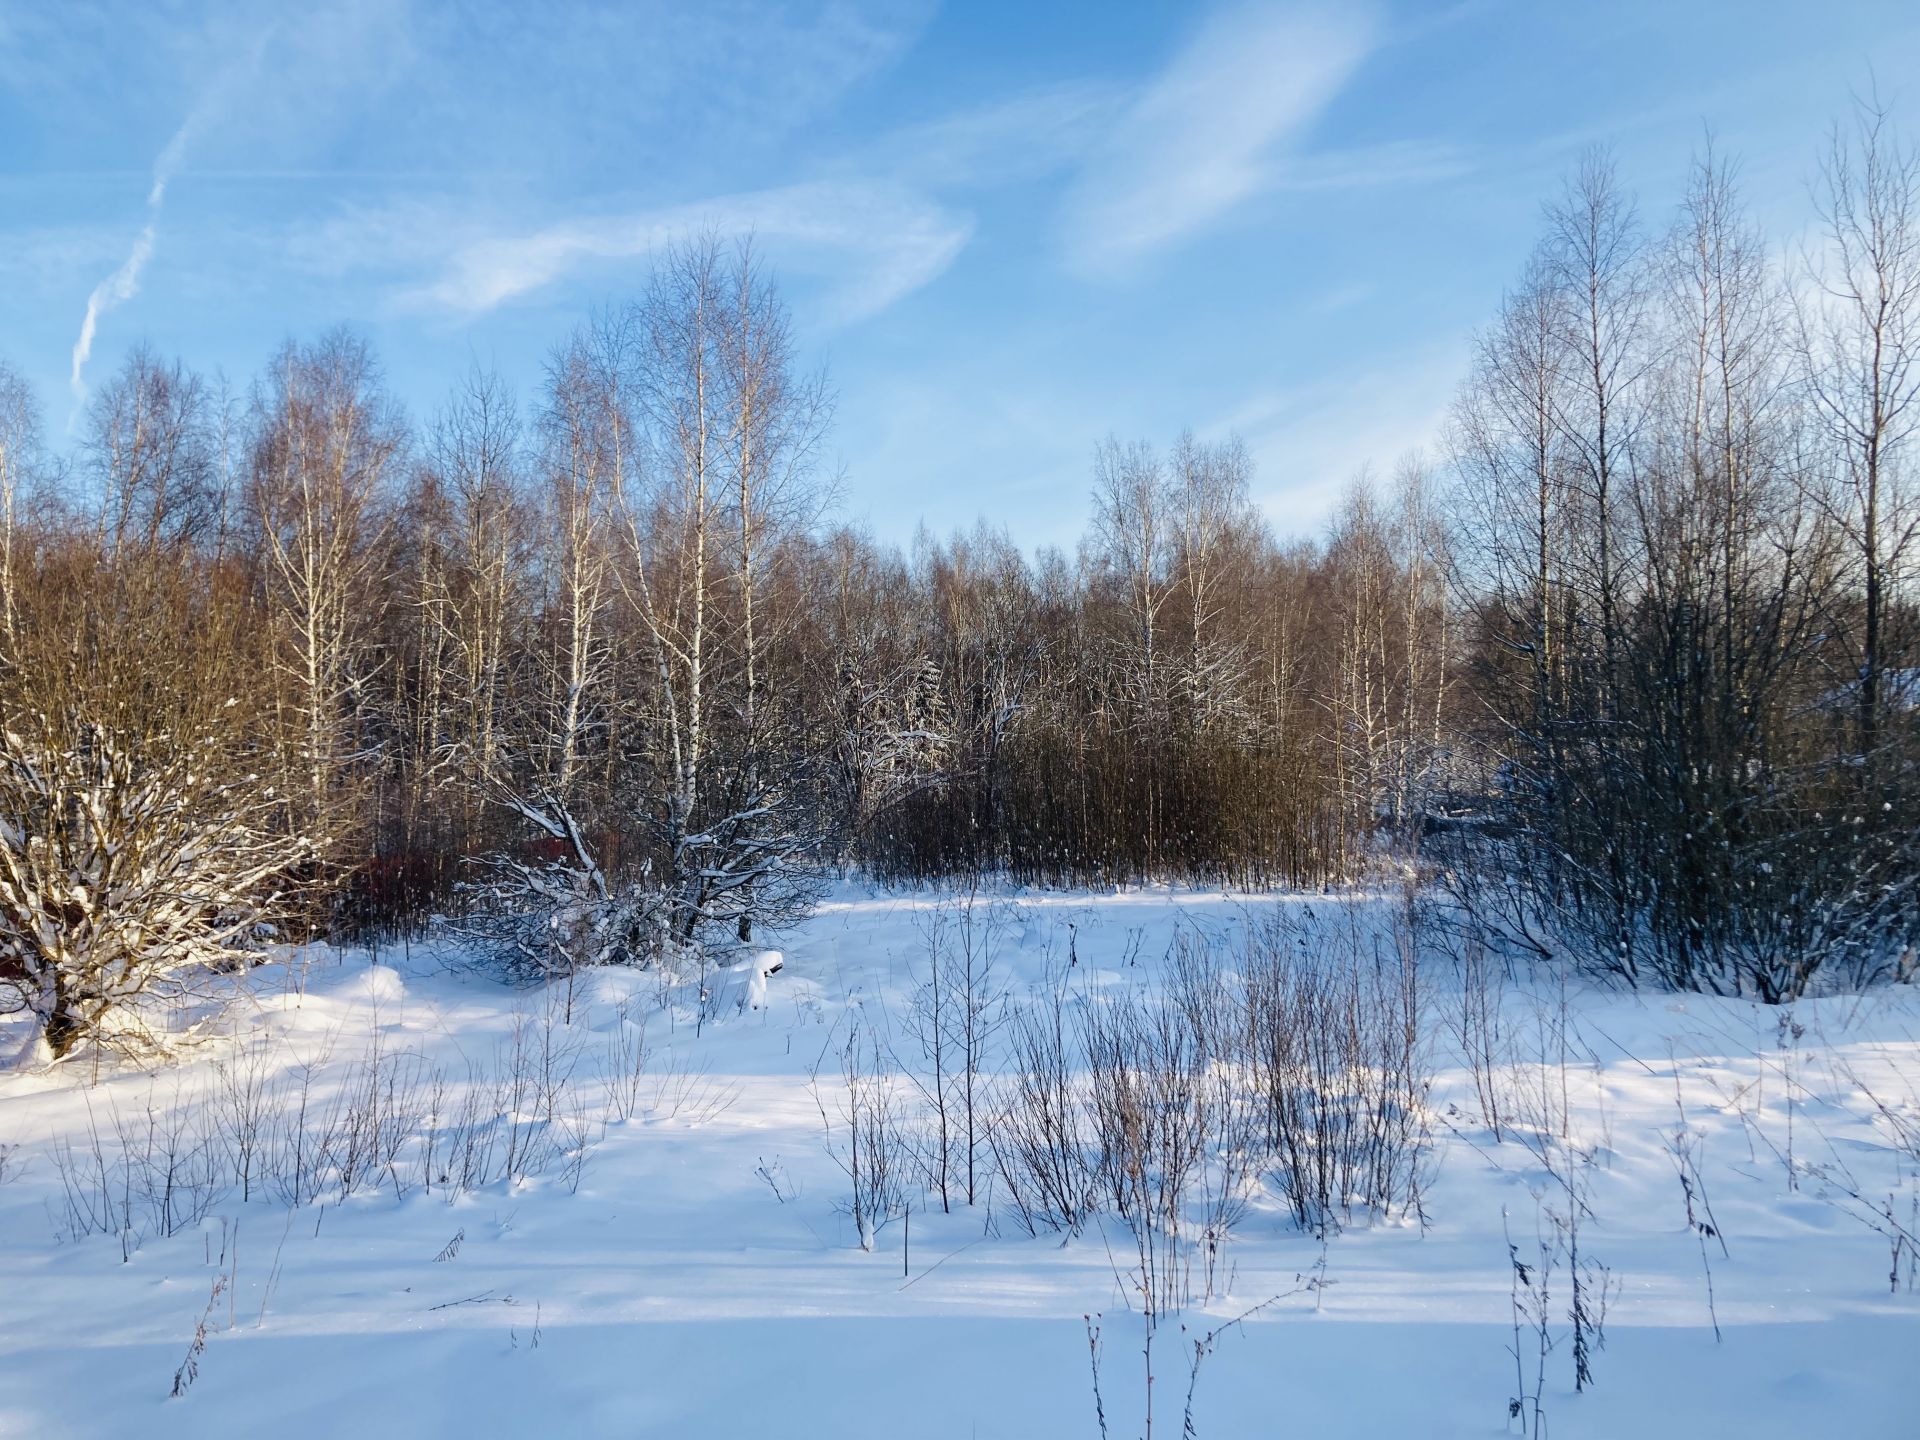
{"points": [[132, 862], [542, 919]]}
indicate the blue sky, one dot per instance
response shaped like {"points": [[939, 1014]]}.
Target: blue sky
{"points": [[1006, 228]]}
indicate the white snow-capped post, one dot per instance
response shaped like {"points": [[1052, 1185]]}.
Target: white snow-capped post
{"points": [[767, 962]]}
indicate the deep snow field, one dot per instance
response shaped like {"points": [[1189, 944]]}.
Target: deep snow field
{"points": [[691, 1269]]}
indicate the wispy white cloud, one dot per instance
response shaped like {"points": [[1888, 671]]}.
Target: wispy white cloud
{"points": [[582, 87], [1310, 440], [1024, 136], [304, 76], [1203, 136], [1399, 163], [38, 260], [873, 244]]}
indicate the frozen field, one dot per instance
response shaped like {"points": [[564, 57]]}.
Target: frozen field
{"points": [[663, 1245]]}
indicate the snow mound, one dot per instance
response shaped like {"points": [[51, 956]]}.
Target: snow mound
{"points": [[378, 985]]}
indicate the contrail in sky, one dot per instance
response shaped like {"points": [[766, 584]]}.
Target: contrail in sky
{"points": [[123, 284]]}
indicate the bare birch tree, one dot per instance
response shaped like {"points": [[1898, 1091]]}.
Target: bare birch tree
{"points": [[150, 449], [1860, 349], [326, 441], [19, 456]]}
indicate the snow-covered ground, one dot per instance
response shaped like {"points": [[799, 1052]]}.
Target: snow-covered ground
{"points": [[691, 1269]]}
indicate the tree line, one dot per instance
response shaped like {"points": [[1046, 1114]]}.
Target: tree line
{"points": [[1627, 664]]}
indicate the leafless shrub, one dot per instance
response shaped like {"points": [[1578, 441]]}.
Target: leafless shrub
{"points": [[1213, 1000], [1335, 1047], [379, 1109], [428, 1154], [296, 1178], [1475, 1020], [245, 1099], [161, 1171], [470, 1135], [532, 1071], [1537, 1102], [868, 1144], [624, 1062], [956, 1018], [1149, 1100], [96, 1194], [334, 1125], [1041, 1140], [928, 1020], [682, 1090], [577, 1133], [977, 1016], [1147, 1109], [173, 1161]]}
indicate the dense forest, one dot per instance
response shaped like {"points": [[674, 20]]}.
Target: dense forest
{"points": [[1625, 666]]}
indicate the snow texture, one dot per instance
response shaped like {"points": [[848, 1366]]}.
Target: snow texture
{"points": [[709, 1223]]}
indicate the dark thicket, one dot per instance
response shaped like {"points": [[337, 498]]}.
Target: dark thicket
{"points": [[1685, 535]]}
